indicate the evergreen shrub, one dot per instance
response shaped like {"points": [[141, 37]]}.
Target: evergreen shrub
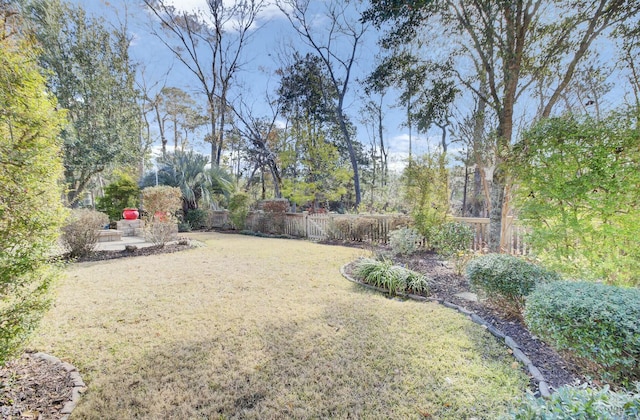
{"points": [[596, 323], [506, 279], [580, 403], [405, 241], [239, 209], [196, 219], [452, 238], [120, 194]]}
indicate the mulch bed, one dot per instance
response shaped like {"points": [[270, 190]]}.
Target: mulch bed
{"points": [[33, 388]]}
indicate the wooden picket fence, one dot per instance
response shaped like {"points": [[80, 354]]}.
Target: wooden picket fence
{"points": [[372, 228]]}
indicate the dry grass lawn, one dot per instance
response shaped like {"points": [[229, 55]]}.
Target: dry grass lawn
{"points": [[266, 328]]}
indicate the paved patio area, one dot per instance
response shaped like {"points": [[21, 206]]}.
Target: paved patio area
{"points": [[119, 245]]}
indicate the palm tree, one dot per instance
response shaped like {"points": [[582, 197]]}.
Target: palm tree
{"points": [[188, 171]]}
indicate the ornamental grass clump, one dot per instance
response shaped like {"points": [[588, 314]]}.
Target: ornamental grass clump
{"points": [[506, 280], [596, 323], [395, 279]]}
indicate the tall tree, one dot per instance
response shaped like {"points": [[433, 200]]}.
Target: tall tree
{"points": [[92, 76], [337, 49], [210, 44], [517, 44], [31, 213]]}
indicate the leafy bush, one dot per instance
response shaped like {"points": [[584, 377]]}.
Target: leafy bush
{"points": [[506, 279], [81, 231], [595, 322], [581, 403], [452, 238], [239, 209], [582, 205], [197, 219], [118, 195], [161, 199], [393, 278], [426, 188], [31, 211], [405, 241], [184, 227]]}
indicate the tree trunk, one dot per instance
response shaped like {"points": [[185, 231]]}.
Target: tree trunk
{"points": [[495, 215]]}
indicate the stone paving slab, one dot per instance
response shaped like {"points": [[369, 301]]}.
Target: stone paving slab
{"points": [[121, 244]]}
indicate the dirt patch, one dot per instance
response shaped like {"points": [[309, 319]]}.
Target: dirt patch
{"points": [[445, 284]]}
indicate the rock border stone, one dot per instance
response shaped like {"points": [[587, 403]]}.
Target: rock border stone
{"points": [[543, 386], [78, 384]]}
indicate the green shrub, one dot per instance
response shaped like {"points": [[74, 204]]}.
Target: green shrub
{"points": [[184, 227], [426, 190], [120, 194], [581, 403], [581, 206], [239, 209], [452, 238], [393, 278], [506, 280], [595, 322], [81, 231], [31, 211], [405, 241], [197, 219]]}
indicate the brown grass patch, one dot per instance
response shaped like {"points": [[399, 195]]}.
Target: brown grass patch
{"points": [[266, 328]]}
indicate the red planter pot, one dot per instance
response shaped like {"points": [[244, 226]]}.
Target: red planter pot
{"points": [[130, 214]]}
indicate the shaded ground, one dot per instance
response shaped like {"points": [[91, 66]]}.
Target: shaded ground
{"points": [[233, 330]]}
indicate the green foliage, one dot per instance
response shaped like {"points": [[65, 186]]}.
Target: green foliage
{"points": [[80, 233], [239, 209], [580, 403], [579, 195], [393, 278], [427, 192], [197, 219], [187, 171], [315, 172], [120, 194], [405, 241], [452, 238], [30, 168], [93, 78], [595, 322], [506, 279]]}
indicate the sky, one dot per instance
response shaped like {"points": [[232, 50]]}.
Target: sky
{"points": [[271, 38]]}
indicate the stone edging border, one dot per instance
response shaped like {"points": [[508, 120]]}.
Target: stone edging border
{"points": [[543, 385], [78, 384]]}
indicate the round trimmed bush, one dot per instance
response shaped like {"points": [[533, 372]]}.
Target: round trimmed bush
{"points": [[507, 279], [595, 322]]}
